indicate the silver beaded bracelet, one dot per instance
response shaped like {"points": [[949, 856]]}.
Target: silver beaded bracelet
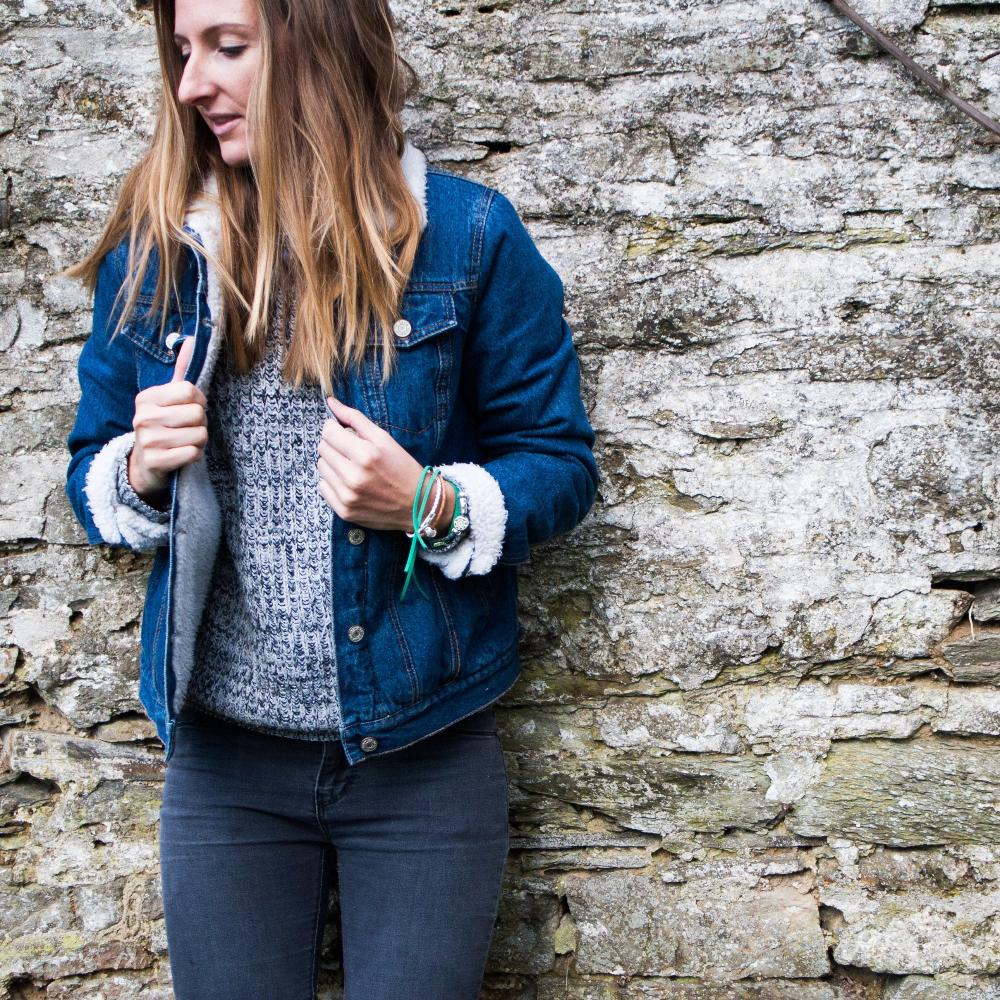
{"points": [[459, 526]]}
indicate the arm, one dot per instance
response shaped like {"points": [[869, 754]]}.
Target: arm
{"points": [[522, 373], [102, 434]]}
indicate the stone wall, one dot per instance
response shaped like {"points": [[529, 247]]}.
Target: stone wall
{"points": [[754, 750]]}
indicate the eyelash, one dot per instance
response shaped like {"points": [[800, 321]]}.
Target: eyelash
{"points": [[231, 51]]}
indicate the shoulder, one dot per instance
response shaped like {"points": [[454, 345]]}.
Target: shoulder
{"points": [[462, 200], [114, 263], [450, 194], [467, 221]]}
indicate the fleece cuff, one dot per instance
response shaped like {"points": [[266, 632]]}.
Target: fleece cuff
{"points": [[119, 522], [479, 551]]}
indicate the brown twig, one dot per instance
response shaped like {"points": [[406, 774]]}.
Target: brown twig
{"points": [[887, 44]]}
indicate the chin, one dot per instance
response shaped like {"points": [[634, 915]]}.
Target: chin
{"points": [[235, 157]]}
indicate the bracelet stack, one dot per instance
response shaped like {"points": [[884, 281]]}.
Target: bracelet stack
{"points": [[423, 525], [460, 523]]}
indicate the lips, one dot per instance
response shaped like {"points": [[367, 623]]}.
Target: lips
{"points": [[221, 124]]}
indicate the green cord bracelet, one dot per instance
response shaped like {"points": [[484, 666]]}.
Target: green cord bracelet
{"points": [[418, 516]]}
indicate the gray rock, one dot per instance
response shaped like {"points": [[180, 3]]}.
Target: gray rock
{"points": [[975, 660], [904, 795], [635, 925]]}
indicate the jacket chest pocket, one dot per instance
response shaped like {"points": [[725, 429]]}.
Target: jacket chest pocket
{"points": [[155, 360], [413, 404]]}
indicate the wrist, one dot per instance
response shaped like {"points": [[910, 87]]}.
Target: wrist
{"points": [[443, 523], [156, 495]]}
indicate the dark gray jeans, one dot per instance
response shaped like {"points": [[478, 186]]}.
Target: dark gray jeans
{"points": [[251, 827]]}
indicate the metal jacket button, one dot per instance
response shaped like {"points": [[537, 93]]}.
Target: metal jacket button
{"points": [[401, 328], [171, 338], [355, 633], [369, 743], [356, 536]]}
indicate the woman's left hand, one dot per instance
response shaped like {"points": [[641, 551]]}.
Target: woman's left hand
{"points": [[365, 475]]}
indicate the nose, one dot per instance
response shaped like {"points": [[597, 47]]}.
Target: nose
{"points": [[195, 84]]}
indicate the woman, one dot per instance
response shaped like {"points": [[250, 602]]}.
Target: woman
{"points": [[395, 400]]}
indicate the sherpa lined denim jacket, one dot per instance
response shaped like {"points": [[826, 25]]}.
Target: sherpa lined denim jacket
{"points": [[487, 387]]}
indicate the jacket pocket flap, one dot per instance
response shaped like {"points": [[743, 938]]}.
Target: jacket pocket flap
{"points": [[426, 314], [144, 332]]}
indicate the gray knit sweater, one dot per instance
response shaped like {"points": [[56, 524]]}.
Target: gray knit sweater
{"points": [[265, 657]]}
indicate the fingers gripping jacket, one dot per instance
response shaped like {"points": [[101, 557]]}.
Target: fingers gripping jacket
{"points": [[479, 551], [118, 522]]}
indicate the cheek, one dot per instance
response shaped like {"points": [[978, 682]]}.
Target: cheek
{"points": [[243, 81]]}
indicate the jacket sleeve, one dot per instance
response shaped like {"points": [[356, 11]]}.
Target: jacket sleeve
{"points": [[102, 433], [539, 477]]}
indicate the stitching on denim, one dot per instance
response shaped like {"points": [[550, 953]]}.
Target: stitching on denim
{"points": [[418, 285], [146, 344], [503, 866], [452, 634], [444, 692], [371, 386], [446, 358], [459, 728], [446, 322], [151, 656], [161, 619], [148, 300], [478, 240], [400, 635], [319, 775], [442, 377]]}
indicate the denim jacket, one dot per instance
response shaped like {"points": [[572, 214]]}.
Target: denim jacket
{"points": [[487, 387]]}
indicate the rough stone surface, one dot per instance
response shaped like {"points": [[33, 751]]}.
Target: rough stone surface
{"points": [[974, 658], [922, 792], [753, 752], [713, 928]]}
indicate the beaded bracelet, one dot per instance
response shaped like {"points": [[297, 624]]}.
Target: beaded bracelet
{"points": [[460, 523], [423, 525]]}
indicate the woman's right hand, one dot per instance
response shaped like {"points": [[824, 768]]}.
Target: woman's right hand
{"points": [[170, 430]]}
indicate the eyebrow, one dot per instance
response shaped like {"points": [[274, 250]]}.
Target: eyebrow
{"points": [[216, 28]]}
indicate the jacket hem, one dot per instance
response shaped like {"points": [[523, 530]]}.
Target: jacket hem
{"points": [[478, 691], [463, 697]]}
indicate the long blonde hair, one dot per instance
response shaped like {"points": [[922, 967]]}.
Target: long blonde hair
{"points": [[325, 182]]}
